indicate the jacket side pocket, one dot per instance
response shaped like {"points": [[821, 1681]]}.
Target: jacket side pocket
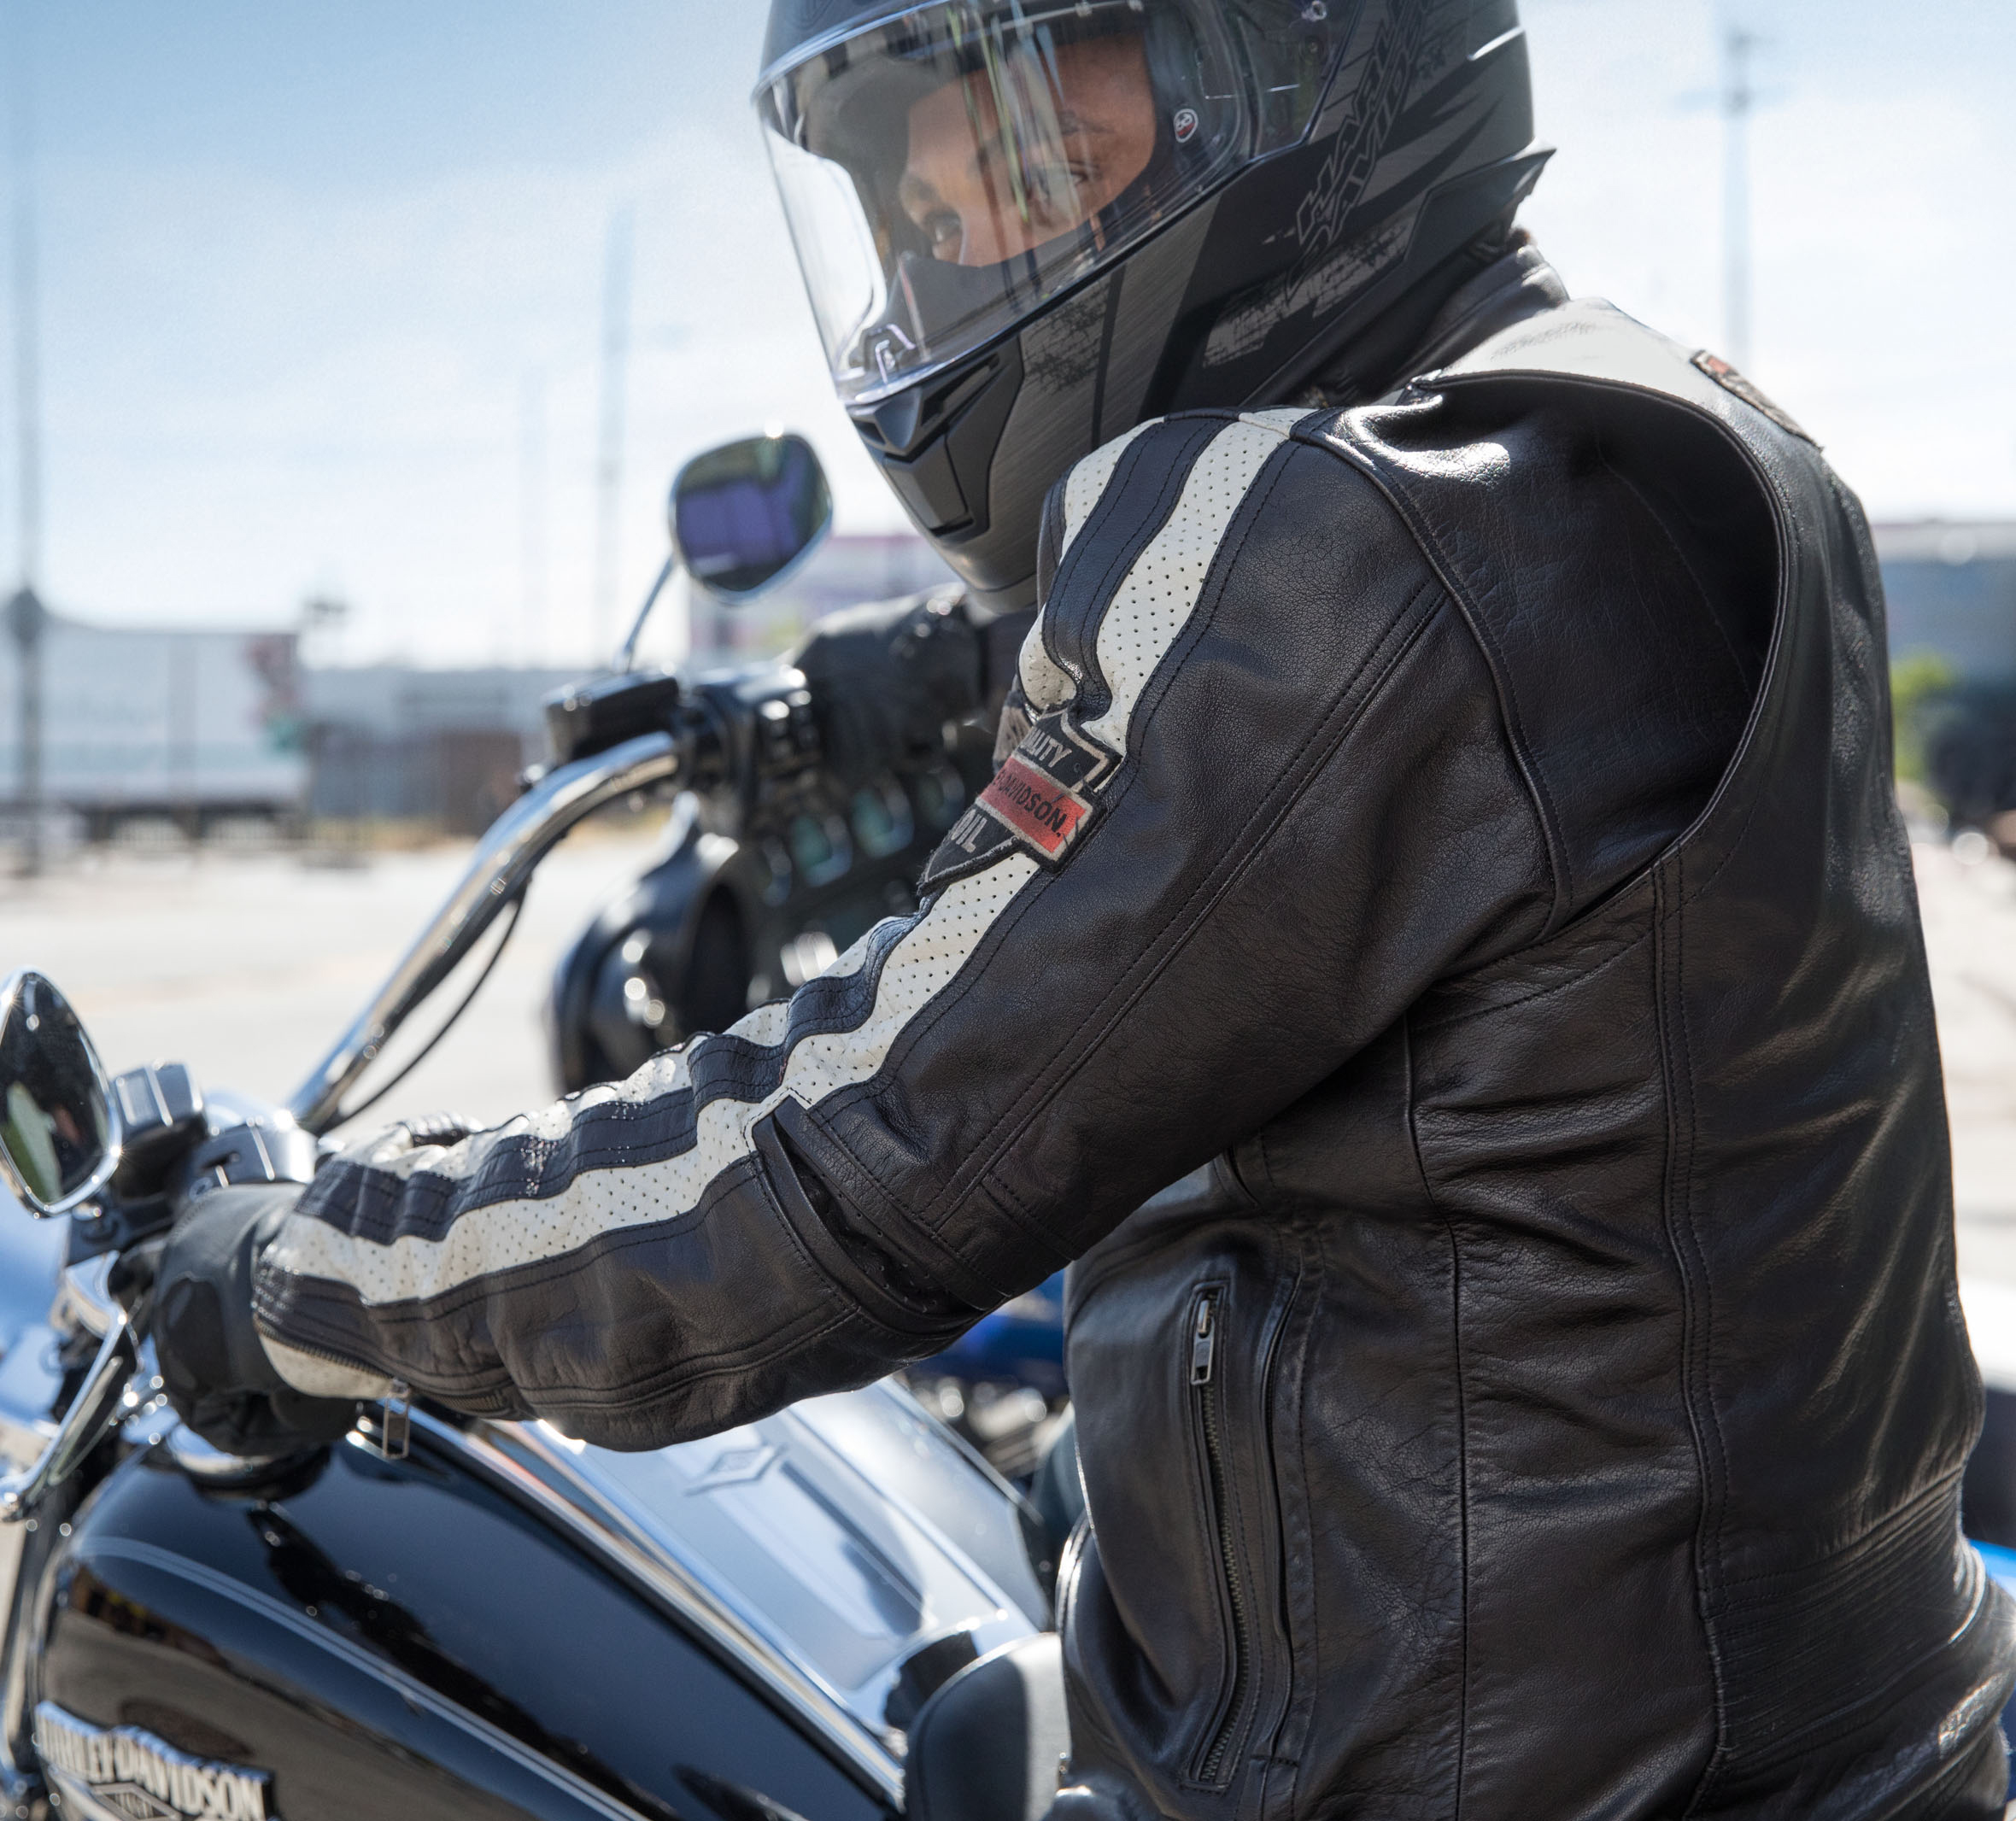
{"points": [[1180, 1636]]}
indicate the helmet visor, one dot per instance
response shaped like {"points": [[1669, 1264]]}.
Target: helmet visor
{"points": [[947, 170]]}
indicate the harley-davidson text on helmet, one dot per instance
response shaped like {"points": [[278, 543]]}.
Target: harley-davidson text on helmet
{"points": [[1026, 226]]}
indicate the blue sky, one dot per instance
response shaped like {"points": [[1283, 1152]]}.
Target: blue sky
{"points": [[303, 264]]}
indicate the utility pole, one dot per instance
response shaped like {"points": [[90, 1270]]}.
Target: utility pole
{"points": [[24, 623], [185, 804], [26, 618], [616, 328], [1738, 102], [532, 481]]}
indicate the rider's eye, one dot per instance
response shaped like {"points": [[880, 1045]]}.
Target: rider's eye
{"points": [[1056, 190], [942, 229]]}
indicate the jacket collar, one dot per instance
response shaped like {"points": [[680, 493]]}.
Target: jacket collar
{"points": [[1514, 283], [1517, 285]]}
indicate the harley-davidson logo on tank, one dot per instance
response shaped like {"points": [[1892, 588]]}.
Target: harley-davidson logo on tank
{"points": [[122, 1773]]}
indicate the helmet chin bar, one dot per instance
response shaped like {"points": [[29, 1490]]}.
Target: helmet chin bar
{"points": [[937, 444]]}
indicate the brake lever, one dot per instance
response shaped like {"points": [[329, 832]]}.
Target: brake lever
{"points": [[91, 1416]]}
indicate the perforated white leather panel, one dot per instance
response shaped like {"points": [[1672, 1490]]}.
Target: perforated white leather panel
{"points": [[506, 1235], [1154, 603]]}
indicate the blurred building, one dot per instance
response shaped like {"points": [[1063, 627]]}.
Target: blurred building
{"points": [[444, 748], [197, 725], [841, 572], [1951, 588], [440, 748], [206, 729], [201, 726]]}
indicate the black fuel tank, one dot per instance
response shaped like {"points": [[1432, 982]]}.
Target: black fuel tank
{"points": [[401, 1638]]}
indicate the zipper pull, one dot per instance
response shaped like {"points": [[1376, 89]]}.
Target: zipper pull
{"points": [[1204, 1339]]}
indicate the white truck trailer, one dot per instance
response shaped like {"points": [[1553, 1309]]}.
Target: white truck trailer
{"points": [[198, 726]]}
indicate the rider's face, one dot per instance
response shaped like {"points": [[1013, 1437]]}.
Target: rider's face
{"points": [[980, 201]]}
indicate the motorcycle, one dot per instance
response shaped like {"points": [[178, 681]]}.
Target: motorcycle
{"points": [[841, 1611]]}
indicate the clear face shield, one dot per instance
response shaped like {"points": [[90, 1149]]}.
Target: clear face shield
{"points": [[946, 172]]}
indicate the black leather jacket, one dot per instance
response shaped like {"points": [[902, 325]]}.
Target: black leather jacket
{"points": [[1464, 824]]}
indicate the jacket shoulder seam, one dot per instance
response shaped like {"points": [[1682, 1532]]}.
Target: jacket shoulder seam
{"points": [[1553, 843]]}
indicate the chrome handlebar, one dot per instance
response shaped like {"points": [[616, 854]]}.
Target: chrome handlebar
{"points": [[504, 860]]}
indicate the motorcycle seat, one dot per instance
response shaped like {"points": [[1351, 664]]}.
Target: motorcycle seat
{"points": [[986, 1745]]}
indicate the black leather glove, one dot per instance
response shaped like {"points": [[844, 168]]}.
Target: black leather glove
{"points": [[216, 1372]]}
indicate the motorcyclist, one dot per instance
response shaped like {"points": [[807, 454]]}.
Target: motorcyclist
{"points": [[1445, 801]]}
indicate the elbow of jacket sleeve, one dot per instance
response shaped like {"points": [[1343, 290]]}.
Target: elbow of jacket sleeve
{"points": [[849, 1250]]}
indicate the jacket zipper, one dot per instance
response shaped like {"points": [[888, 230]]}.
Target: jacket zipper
{"points": [[394, 1440], [1205, 1397]]}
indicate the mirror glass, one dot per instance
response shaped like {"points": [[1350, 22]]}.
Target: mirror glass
{"points": [[58, 1140], [742, 514]]}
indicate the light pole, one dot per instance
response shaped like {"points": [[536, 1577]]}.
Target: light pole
{"points": [[533, 490], [616, 327], [26, 616]]}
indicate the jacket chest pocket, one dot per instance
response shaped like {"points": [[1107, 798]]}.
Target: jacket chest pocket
{"points": [[1173, 1372]]}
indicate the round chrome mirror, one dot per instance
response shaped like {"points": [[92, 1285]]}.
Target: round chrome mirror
{"points": [[59, 1124], [744, 514]]}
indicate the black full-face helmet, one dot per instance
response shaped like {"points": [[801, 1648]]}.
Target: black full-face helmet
{"points": [[1025, 225]]}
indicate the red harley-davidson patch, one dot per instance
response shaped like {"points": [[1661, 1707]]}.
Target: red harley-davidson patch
{"points": [[1038, 808]]}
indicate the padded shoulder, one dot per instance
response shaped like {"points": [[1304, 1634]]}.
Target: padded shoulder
{"points": [[1617, 554]]}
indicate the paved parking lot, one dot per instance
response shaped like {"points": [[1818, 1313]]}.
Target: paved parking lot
{"points": [[247, 967], [1970, 925]]}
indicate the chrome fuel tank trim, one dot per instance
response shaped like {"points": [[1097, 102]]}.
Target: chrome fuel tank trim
{"points": [[819, 1550], [112, 1773], [545, 1473]]}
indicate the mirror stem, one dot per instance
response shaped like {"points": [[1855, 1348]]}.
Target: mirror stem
{"points": [[626, 658]]}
